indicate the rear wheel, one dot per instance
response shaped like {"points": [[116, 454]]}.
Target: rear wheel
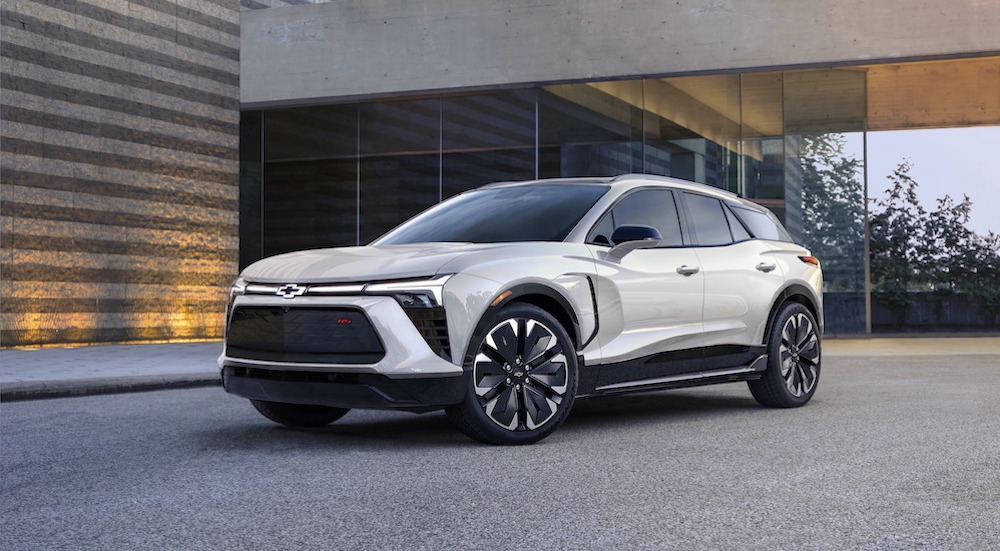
{"points": [[523, 373], [299, 415], [793, 362]]}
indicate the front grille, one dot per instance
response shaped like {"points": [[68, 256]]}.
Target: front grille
{"points": [[309, 335], [432, 324]]}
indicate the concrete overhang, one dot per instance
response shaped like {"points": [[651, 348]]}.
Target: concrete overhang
{"points": [[338, 51]]}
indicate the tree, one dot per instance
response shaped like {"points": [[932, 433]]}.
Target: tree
{"points": [[833, 210], [935, 252], [895, 236]]}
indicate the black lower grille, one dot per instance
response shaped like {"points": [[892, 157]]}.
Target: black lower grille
{"points": [[301, 376], [432, 324], [310, 335]]}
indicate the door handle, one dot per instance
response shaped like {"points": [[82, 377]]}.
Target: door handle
{"points": [[686, 270], [765, 267]]}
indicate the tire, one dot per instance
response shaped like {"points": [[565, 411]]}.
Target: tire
{"points": [[522, 373], [793, 359], [299, 415]]}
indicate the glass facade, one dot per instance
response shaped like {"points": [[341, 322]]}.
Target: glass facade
{"points": [[793, 141]]}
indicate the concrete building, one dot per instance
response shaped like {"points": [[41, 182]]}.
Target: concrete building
{"points": [[151, 147]]}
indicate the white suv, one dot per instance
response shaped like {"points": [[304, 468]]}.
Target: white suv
{"points": [[504, 304]]}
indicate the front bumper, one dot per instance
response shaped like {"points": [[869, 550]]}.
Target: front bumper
{"points": [[406, 352], [345, 390], [405, 374]]}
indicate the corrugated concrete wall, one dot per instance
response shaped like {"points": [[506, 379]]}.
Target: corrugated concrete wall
{"points": [[349, 48], [118, 175]]}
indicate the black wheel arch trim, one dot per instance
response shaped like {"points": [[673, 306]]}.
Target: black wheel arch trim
{"points": [[562, 310], [794, 293]]}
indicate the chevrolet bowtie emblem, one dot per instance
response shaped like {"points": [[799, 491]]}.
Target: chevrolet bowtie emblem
{"points": [[290, 290]]}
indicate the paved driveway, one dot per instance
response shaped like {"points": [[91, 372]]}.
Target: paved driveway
{"points": [[893, 453]]}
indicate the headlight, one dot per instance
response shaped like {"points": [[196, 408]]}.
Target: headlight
{"points": [[239, 287], [413, 293]]}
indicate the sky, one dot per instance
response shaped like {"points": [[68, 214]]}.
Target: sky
{"points": [[951, 161]]}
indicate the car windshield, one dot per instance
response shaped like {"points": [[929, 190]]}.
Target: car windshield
{"points": [[497, 215]]}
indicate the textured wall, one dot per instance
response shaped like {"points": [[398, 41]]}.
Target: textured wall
{"points": [[358, 47], [118, 175]]}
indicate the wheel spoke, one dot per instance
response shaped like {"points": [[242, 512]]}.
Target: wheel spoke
{"points": [[807, 375], [538, 339], [538, 407], [504, 340], [504, 409], [793, 381], [551, 375], [810, 352], [489, 373], [805, 332], [522, 334]]}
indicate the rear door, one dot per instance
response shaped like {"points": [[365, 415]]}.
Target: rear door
{"points": [[742, 275]]}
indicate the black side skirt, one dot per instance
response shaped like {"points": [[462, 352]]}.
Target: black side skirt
{"points": [[678, 369]]}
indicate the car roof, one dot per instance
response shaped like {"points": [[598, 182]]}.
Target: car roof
{"points": [[623, 182]]}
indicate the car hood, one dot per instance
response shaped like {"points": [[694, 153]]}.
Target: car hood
{"points": [[361, 264]]}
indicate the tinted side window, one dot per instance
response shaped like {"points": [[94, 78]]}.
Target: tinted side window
{"points": [[740, 233], [649, 207], [762, 225], [708, 219]]}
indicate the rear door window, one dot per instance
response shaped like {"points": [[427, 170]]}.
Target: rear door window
{"points": [[708, 220]]}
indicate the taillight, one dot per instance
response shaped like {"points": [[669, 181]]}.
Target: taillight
{"points": [[810, 260]]}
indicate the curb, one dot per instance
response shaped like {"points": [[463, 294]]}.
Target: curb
{"points": [[41, 390]]}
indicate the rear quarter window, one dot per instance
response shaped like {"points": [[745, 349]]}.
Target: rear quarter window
{"points": [[762, 225]]}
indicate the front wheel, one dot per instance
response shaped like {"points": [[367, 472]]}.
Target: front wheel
{"points": [[793, 360], [298, 415], [522, 378]]}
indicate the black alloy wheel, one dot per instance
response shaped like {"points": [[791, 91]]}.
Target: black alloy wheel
{"points": [[522, 378], [793, 362]]}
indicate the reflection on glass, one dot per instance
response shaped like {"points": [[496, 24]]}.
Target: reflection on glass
{"points": [[824, 113], [505, 214], [935, 266], [487, 138], [692, 128], [791, 141], [400, 165], [590, 129], [310, 178]]}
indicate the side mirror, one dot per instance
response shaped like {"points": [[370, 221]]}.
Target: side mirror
{"points": [[630, 238]]}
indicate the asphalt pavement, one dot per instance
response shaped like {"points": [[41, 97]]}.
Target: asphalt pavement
{"points": [[58, 372], [893, 453]]}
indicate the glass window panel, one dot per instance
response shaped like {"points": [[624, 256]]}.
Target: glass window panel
{"points": [[708, 220], [310, 178], [487, 138], [251, 182], [828, 197], [739, 232], [504, 214], [692, 128], [400, 162], [654, 207], [762, 144], [590, 129]]}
